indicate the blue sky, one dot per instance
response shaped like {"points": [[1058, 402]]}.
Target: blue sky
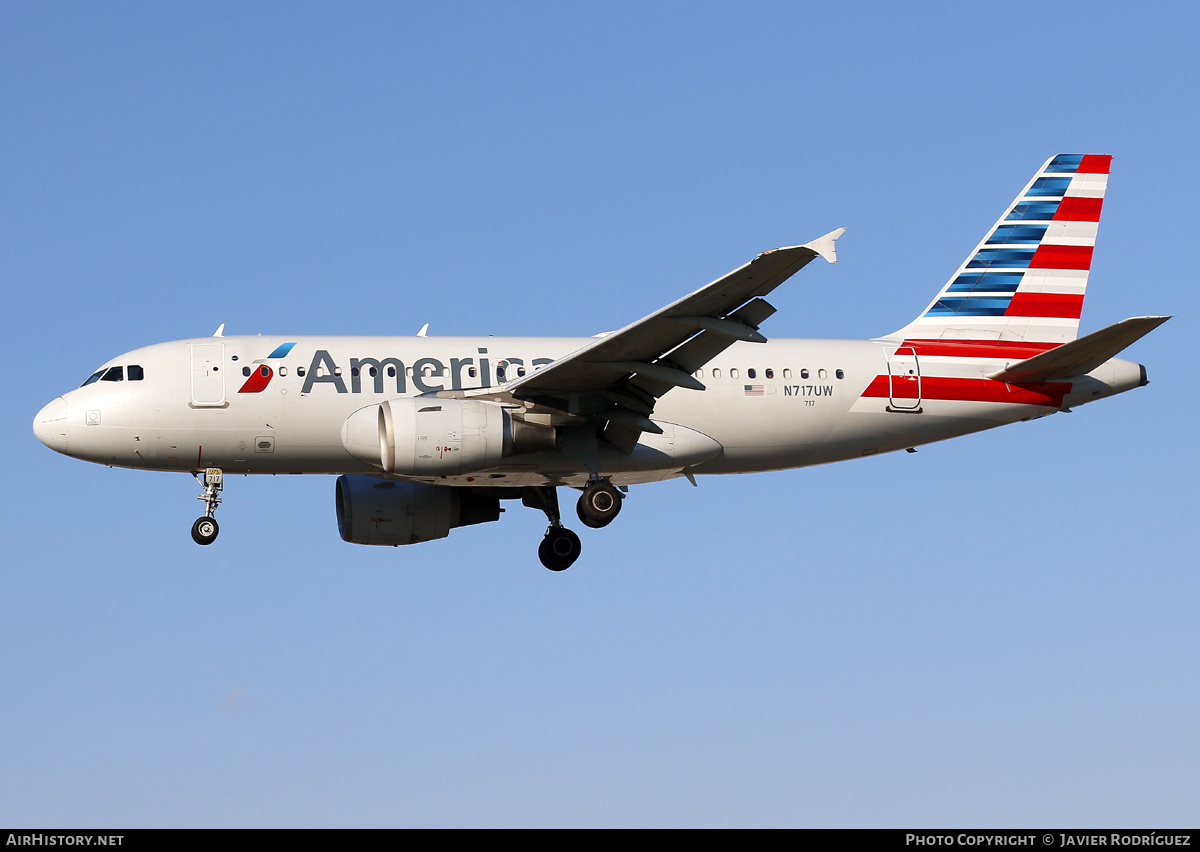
{"points": [[999, 630]]}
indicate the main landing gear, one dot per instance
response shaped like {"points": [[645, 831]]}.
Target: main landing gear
{"points": [[560, 547], [205, 530], [597, 506]]}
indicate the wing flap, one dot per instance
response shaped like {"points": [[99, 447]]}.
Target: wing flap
{"points": [[699, 350]]}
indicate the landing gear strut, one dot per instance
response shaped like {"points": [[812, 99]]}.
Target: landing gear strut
{"points": [[599, 504], [205, 530], [560, 547]]}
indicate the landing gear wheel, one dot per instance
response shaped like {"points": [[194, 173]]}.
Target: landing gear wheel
{"points": [[559, 549], [205, 530], [587, 522], [599, 504]]}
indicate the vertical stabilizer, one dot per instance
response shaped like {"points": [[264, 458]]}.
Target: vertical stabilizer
{"points": [[1026, 280]]}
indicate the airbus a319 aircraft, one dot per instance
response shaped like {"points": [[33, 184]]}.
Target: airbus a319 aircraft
{"points": [[431, 433]]}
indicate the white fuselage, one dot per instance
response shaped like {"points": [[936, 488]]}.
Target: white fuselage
{"points": [[782, 404]]}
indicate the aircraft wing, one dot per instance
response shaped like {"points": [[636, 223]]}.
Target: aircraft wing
{"points": [[618, 377]]}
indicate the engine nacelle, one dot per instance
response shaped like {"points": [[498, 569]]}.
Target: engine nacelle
{"points": [[440, 437], [371, 510]]}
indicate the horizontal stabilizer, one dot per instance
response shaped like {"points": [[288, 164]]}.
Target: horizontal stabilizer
{"points": [[1080, 357]]}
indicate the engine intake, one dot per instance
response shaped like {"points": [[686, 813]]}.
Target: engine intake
{"points": [[440, 437]]}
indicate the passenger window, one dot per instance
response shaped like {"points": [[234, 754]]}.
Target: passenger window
{"points": [[716, 372], [374, 372], [840, 374], [471, 372], [299, 371], [750, 374], [264, 371], [245, 371], [94, 377], [134, 373], [804, 374], [822, 374], [283, 371], [391, 372], [787, 373], [520, 371], [114, 374], [337, 371], [354, 372], [700, 374], [499, 372], [770, 373], [733, 373]]}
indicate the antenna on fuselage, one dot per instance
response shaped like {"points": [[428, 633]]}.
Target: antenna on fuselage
{"points": [[424, 329], [220, 332]]}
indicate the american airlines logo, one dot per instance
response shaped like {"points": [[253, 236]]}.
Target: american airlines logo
{"points": [[262, 371], [385, 375]]}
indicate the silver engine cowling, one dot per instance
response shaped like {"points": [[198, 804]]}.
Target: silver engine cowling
{"points": [[440, 437], [372, 510]]}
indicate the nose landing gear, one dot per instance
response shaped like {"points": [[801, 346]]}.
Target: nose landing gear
{"points": [[205, 530]]}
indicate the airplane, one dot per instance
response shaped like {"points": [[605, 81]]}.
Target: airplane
{"points": [[428, 434]]}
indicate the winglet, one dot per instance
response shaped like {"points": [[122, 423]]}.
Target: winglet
{"points": [[824, 246], [220, 332], [424, 330]]}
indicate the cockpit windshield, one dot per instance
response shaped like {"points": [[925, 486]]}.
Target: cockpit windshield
{"points": [[116, 374]]}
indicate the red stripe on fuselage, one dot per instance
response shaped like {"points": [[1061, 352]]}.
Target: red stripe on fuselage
{"points": [[1064, 305], [979, 390], [980, 348], [1073, 209]]}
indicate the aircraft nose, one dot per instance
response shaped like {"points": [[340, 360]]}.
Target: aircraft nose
{"points": [[50, 425]]}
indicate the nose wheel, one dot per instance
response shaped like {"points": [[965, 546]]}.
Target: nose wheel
{"points": [[205, 529]]}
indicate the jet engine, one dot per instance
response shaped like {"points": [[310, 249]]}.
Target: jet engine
{"points": [[371, 510], [440, 437]]}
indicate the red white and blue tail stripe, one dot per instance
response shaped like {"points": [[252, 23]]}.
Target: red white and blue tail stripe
{"points": [[1026, 280]]}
